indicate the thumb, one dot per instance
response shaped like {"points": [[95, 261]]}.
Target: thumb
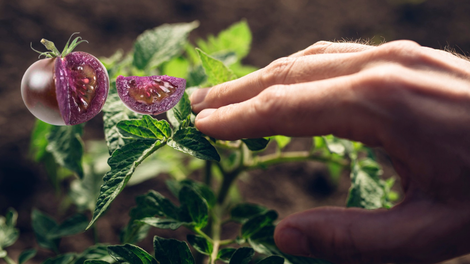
{"points": [[410, 232]]}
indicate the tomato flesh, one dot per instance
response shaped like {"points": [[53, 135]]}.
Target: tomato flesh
{"points": [[156, 91], [150, 94]]}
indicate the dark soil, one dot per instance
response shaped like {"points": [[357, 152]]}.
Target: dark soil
{"points": [[280, 27]]}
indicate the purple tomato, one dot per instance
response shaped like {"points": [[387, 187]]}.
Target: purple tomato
{"points": [[150, 95], [66, 88]]}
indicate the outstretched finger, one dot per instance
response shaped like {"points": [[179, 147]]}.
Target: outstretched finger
{"points": [[289, 70], [326, 47], [317, 108]]}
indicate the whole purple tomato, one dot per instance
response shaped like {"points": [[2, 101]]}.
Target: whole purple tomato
{"points": [[65, 88]]}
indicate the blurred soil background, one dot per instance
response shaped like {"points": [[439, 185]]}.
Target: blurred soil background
{"points": [[280, 27]]}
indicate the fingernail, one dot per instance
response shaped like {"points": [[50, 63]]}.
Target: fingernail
{"points": [[205, 113], [198, 96], [294, 242]]}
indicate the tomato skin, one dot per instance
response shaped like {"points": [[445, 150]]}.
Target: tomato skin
{"points": [[39, 92]]}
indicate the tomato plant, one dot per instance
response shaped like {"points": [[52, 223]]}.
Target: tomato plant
{"points": [[142, 146]]}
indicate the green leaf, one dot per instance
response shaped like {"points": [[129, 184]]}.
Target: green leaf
{"points": [[66, 146], [155, 46], [151, 204], [242, 70], [71, 226], [215, 70], [242, 212], [303, 260], [190, 141], [195, 205], [162, 223], [42, 226], [112, 61], [196, 76], [123, 163], [95, 261], [242, 255], [146, 128], [134, 232], [257, 222], [84, 193], [177, 67], [115, 111], [62, 259], [371, 167], [26, 255], [8, 233], [148, 205], [338, 145], [271, 260], [179, 114], [172, 251], [236, 38], [366, 191], [39, 142], [281, 141], [225, 254], [256, 144], [94, 253], [129, 253], [203, 190], [201, 244], [390, 195], [334, 170]]}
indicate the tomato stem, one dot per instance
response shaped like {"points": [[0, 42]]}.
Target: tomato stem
{"points": [[54, 52], [50, 46]]}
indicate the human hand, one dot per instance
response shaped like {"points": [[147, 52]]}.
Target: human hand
{"points": [[412, 101]]}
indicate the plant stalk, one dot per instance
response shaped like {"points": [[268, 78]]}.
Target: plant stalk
{"points": [[216, 230], [293, 156], [95, 234], [208, 173], [229, 178], [8, 260]]}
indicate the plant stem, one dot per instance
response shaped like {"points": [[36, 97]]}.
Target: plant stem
{"points": [[229, 177], [226, 242], [208, 173], [216, 229], [95, 234], [283, 157], [204, 235], [8, 260]]}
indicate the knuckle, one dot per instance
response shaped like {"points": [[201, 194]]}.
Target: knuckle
{"points": [[269, 103], [404, 51], [277, 71], [318, 47]]}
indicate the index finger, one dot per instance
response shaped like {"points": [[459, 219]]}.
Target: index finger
{"points": [[288, 70], [317, 108], [327, 47]]}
